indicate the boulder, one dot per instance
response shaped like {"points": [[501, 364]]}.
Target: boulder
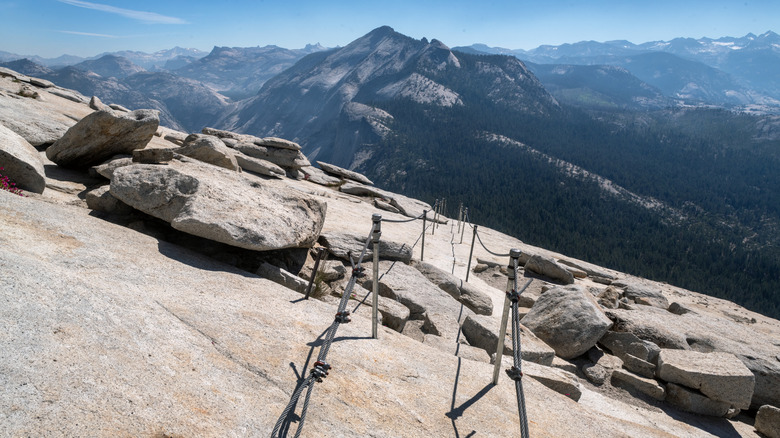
{"points": [[394, 314], [106, 170], [209, 149], [20, 162], [341, 244], [221, 205], [639, 366], [568, 319], [468, 294], [101, 199], [286, 158], [439, 313], [96, 104], [768, 421], [691, 401], [386, 206], [482, 332], [720, 376], [708, 332], [152, 156], [595, 373], [282, 277], [276, 142], [407, 206], [647, 323], [632, 382], [560, 381], [345, 173], [259, 166], [549, 268], [317, 176], [646, 296], [608, 298], [102, 135]]}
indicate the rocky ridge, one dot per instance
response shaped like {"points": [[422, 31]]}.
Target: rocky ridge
{"points": [[181, 304]]}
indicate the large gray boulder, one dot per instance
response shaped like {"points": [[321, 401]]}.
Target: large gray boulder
{"points": [[549, 268], [209, 149], [646, 296], [568, 319], [21, 162], [692, 401], [709, 332], [560, 381], [482, 332], [259, 166], [468, 294], [344, 173], [439, 313], [103, 134], [720, 376], [341, 244], [221, 205], [407, 206], [286, 158], [768, 421]]}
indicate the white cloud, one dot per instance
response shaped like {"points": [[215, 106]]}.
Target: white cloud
{"points": [[146, 17], [71, 32]]}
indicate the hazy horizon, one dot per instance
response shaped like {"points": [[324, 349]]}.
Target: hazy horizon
{"points": [[52, 28]]}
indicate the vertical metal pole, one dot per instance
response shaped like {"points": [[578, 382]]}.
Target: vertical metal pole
{"points": [[471, 252], [377, 218], [465, 215], [320, 252], [460, 215], [514, 254], [435, 214], [422, 247]]}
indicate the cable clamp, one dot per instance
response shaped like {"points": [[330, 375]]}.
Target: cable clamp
{"points": [[513, 295], [359, 272], [514, 373], [320, 370], [343, 317]]}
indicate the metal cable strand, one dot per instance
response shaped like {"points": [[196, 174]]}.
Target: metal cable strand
{"points": [[486, 249], [401, 221], [517, 358], [293, 401], [305, 408], [314, 375]]}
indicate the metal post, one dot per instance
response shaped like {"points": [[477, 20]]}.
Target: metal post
{"points": [[435, 214], [377, 218], [320, 252], [471, 252], [514, 254], [422, 246], [460, 215], [465, 215]]}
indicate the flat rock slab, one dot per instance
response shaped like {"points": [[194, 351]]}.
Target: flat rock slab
{"points": [[103, 134], [568, 319], [476, 300], [719, 376], [221, 205], [630, 381], [346, 173], [692, 401]]}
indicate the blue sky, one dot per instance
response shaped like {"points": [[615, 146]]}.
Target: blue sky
{"points": [[51, 28]]}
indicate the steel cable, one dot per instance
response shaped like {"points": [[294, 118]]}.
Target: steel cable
{"points": [[321, 367]]}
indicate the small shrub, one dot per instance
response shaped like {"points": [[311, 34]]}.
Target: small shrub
{"points": [[8, 186]]}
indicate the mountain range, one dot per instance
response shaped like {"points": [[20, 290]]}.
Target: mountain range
{"points": [[649, 165]]}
